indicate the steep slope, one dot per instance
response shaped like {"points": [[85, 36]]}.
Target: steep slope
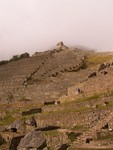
{"points": [[36, 77]]}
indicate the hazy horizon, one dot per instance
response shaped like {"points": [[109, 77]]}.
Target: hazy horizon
{"points": [[37, 25]]}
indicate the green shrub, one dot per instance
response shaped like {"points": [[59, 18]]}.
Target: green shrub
{"points": [[73, 136], [3, 62], [24, 55]]}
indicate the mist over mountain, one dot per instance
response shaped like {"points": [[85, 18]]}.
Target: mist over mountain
{"points": [[29, 26]]}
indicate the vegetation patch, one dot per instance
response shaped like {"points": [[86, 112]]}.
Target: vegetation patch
{"points": [[94, 60], [80, 127], [51, 132], [7, 120], [73, 136]]}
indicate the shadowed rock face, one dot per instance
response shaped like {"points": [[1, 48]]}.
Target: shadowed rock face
{"points": [[33, 140], [1, 140], [14, 142]]}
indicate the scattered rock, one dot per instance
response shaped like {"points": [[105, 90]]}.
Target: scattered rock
{"points": [[52, 103], [78, 91], [106, 126], [33, 140], [108, 65], [1, 140], [104, 72], [106, 103], [102, 66], [15, 142], [48, 128], [88, 140], [92, 75], [31, 122], [17, 125]]}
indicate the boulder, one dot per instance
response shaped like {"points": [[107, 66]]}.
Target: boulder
{"points": [[31, 122], [14, 142], [32, 140], [102, 66], [17, 125]]}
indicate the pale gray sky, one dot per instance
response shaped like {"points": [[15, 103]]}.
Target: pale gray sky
{"points": [[37, 25]]}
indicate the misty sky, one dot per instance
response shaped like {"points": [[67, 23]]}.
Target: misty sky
{"points": [[37, 25]]}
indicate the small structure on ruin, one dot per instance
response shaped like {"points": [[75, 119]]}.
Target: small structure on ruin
{"points": [[61, 45]]}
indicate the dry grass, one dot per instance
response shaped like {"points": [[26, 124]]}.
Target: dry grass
{"points": [[95, 60]]}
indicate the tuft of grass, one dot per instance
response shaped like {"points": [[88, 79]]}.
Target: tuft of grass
{"points": [[7, 120], [110, 104], [22, 98], [52, 132], [99, 106], [95, 96], [73, 136], [79, 127]]}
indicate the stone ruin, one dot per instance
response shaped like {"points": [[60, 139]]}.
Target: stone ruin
{"points": [[32, 111], [52, 103], [61, 45]]}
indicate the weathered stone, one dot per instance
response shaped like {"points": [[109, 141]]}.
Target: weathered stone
{"points": [[108, 64], [32, 111], [15, 142], [48, 128], [17, 125], [61, 45], [92, 75], [104, 72], [49, 103], [31, 122], [102, 66], [78, 91], [57, 102], [32, 140], [52, 103]]}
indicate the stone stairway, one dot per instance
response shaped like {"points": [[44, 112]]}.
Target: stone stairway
{"points": [[92, 133]]}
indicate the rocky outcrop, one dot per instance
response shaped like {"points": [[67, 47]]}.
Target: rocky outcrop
{"points": [[32, 140]]}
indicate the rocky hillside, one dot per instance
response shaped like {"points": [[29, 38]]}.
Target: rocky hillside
{"points": [[56, 100]]}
